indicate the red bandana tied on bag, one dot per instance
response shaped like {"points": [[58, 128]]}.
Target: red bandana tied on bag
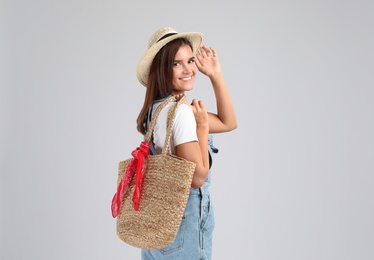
{"points": [[136, 165]]}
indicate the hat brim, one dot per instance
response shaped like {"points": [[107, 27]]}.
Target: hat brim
{"points": [[142, 71]]}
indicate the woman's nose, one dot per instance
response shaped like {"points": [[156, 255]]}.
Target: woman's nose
{"points": [[187, 68]]}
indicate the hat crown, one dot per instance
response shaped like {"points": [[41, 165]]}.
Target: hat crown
{"points": [[158, 35]]}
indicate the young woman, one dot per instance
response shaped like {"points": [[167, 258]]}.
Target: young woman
{"points": [[169, 67]]}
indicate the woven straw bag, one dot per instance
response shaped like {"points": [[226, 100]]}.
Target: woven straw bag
{"points": [[153, 223]]}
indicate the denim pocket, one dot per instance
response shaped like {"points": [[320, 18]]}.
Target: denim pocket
{"points": [[206, 214], [178, 242]]}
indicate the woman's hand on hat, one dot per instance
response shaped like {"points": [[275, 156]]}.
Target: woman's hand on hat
{"points": [[207, 61]]}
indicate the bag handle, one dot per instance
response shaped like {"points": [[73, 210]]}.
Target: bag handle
{"points": [[170, 121]]}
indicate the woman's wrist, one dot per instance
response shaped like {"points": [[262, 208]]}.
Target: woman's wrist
{"points": [[214, 75], [202, 128], [216, 78]]}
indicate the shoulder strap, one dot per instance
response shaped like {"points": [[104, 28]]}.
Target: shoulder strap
{"points": [[147, 121], [169, 126], [148, 118], [170, 121]]}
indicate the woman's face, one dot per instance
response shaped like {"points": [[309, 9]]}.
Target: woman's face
{"points": [[184, 70]]}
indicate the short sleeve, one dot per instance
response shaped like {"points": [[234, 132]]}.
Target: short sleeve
{"points": [[184, 129]]}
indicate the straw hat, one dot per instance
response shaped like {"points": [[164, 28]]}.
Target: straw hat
{"points": [[158, 40]]}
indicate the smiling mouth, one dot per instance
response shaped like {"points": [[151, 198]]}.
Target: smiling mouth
{"points": [[186, 79]]}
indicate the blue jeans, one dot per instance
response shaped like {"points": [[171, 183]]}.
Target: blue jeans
{"points": [[194, 238]]}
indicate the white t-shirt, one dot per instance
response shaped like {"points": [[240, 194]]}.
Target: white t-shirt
{"points": [[184, 129]]}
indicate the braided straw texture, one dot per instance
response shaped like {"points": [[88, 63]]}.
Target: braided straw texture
{"points": [[164, 194]]}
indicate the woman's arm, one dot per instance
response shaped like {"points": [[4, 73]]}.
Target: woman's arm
{"points": [[208, 63], [197, 152]]}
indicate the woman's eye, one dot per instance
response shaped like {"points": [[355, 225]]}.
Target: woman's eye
{"points": [[176, 64], [192, 61]]}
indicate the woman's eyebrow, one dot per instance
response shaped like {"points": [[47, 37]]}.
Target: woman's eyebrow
{"points": [[192, 58]]}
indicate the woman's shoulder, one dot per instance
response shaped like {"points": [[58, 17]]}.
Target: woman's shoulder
{"points": [[185, 110], [185, 106]]}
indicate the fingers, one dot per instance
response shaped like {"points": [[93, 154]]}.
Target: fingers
{"points": [[199, 104], [214, 53], [206, 57], [204, 51], [200, 113], [197, 62]]}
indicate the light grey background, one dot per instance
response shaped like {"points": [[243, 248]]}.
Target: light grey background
{"points": [[294, 181]]}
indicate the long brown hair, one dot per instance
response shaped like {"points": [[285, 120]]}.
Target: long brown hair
{"points": [[160, 78]]}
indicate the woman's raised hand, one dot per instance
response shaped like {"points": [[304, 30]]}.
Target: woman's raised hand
{"points": [[207, 61]]}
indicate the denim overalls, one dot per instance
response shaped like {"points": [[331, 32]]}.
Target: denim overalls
{"points": [[194, 238]]}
